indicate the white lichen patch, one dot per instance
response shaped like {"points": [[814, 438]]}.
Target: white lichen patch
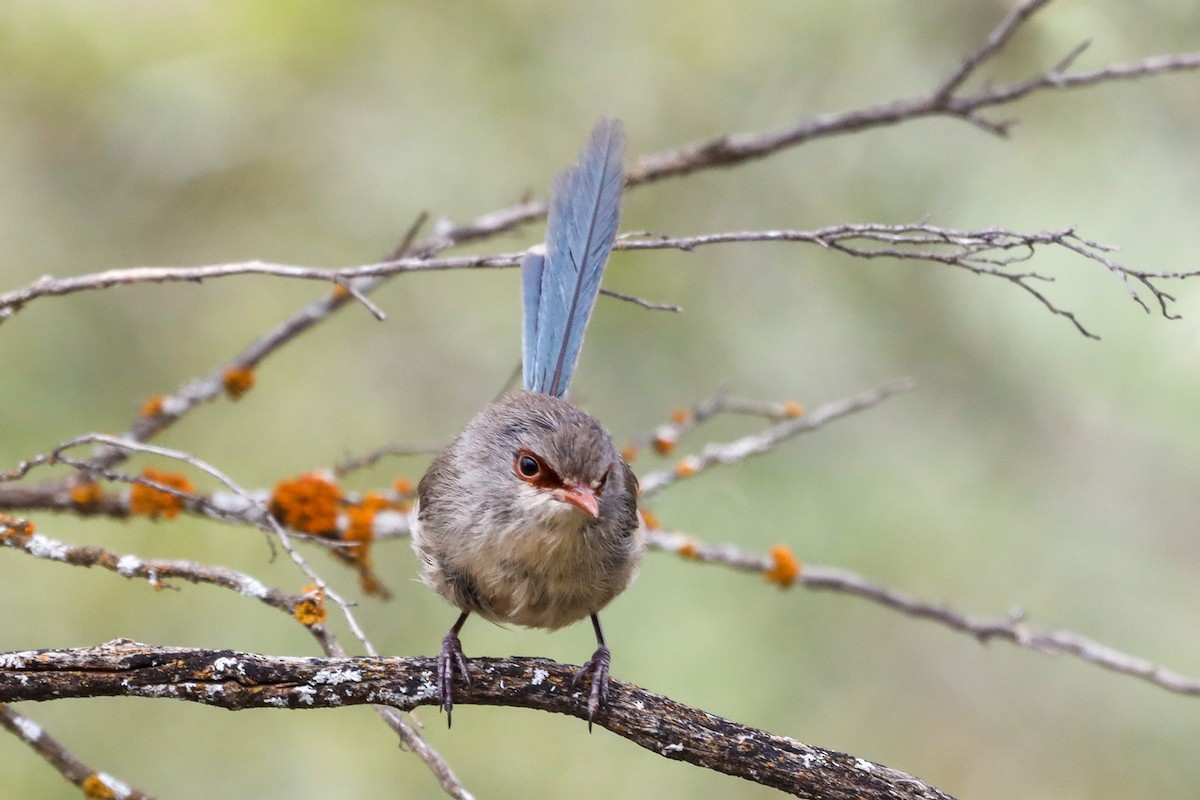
{"points": [[389, 522], [159, 691], [865, 766], [30, 730], [232, 502], [307, 693], [810, 759], [118, 787], [278, 702], [174, 405], [128, 566], [252, 588], [391, 697], [333, 677], [672, 748], [223, 663], [41, 547], [11, 661], [539, 675], [427, 690]]}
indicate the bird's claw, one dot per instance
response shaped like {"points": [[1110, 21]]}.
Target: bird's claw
{"points": [[450, 659], [597, 668]]}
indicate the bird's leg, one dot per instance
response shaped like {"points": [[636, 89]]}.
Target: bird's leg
{"points": [[597, 667], [449, 659]]}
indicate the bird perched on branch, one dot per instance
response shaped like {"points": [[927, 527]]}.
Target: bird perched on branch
{"points": [[530, 515]]}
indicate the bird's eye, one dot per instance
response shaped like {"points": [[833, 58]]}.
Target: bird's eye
{"points": [[528, 467]]}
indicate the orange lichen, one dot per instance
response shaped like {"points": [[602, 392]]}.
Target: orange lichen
{"points": [[86, 495], [402, 485], [310, 610], [237, 381], [688, 549], [359, 535], [15, 526], [360, 530], [151, 502], [94, 788], [680, 416], [629, 452], [785, 569], [663, 444], [793, 409], [308, 504], [340, 292], [686, 468], [153, 407], [650, 519]]}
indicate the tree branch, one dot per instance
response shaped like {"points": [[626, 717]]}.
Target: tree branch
{"points": [[715, 453], [1011, 629], [235, 680], [94, 784]]}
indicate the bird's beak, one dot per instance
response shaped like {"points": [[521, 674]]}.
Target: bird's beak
{"points": [[581, 497]]}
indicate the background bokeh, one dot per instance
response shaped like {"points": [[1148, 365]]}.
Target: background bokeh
{"points": [[1032, 468]]}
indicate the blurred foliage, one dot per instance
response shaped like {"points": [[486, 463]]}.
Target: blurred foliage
{"points": [[1031, 468]]}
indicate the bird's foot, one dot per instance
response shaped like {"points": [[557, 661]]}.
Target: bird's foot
{"points": [[597, 668], [450, 659]]}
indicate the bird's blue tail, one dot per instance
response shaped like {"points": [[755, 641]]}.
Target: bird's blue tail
{"points": [[559, 289]]}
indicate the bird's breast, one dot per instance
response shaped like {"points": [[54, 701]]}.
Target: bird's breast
{"points": [[542, 575]]}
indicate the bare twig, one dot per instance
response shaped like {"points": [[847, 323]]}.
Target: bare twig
{"points": [[155, 571], [1011, 629], [990, 252], [665, 437], [370, 459], [234, 680], [738, 148], [737, 450], [93, 783], [992, 45], [640, 301]]}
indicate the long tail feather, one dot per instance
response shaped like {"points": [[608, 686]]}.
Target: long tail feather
{"points": [[559, 290]]}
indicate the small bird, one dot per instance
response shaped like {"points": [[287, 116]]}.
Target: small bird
{"points": [[530, 515]]}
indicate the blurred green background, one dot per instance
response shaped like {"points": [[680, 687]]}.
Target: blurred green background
{"points": [[1032, 468]]}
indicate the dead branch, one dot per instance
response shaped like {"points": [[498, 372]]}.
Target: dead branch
{"points": [[234, 680]]}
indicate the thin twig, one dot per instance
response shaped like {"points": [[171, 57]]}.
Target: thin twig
{"points": [[1011, 629], [666, 436], [738, 450], [93, 783], [155, 571], [640, 301], [370, 459], [992, 45]]}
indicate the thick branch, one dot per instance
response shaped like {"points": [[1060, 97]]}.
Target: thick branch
{"points": [[234, 680]]}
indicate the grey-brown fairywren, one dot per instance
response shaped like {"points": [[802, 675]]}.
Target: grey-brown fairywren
{"points": [[530, 515]]}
